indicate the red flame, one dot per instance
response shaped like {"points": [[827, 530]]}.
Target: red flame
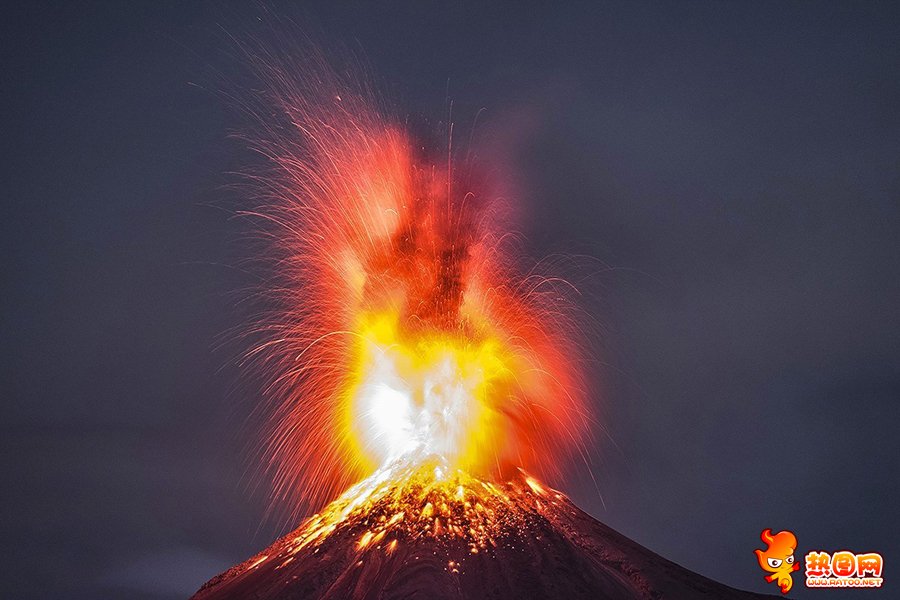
{"points": [[403, 331]]}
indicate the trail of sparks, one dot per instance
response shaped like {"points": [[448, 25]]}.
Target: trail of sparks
{"points": [[402, 333]]}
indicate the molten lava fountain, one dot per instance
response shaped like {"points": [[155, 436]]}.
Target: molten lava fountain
{"points": [[410, 364]]}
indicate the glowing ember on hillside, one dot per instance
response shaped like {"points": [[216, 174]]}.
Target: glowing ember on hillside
{"points": [[403, 502], [413, 532], [403, 332]]}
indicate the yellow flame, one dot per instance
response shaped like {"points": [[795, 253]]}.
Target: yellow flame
{"points": [[425, 398]]}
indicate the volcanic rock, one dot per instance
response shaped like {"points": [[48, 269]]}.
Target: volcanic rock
{"points": [[420, 535]]}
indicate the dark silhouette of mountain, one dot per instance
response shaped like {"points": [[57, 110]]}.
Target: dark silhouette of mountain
{"points": [[411, 536]]}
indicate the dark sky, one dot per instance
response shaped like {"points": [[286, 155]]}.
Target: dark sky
{"points": [[736, 165]]}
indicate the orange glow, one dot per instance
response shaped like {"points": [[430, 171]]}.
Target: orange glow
{"points": [[405, 501], [402, 333]]}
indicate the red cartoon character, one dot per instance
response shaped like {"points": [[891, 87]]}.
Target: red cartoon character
{"points": [[778, 558]]}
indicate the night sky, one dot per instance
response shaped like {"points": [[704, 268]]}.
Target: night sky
{"points": [[736, 167]]}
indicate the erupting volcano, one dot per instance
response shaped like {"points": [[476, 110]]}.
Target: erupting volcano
{"points": [[411, 364]]}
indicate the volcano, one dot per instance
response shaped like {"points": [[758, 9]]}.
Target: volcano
{"points": [[419, 533]]}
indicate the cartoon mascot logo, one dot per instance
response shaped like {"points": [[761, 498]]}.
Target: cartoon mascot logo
{"points": [[778, 558]]}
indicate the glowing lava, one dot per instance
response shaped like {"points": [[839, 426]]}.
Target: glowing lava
{"points": [[403, 502], [430, 532], [401, 329], [410, 365]]}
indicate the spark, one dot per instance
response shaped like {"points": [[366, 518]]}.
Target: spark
{"points": [[403, 333]]}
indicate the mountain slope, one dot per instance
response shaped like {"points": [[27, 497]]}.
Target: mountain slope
{"points": [[414, 534]]}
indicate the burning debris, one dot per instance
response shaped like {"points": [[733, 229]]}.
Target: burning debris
{"points": [[410, 363], [402, 329], [423, 532]]}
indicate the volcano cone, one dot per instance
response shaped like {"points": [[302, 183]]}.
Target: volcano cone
{"points": [[422, 535]]}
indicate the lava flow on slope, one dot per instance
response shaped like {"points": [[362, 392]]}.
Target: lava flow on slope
{"points": [[423, 533]]}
